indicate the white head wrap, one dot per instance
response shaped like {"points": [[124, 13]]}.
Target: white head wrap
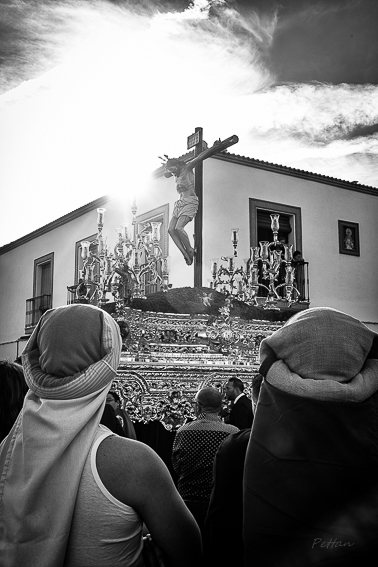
{"points": [[69, 364]]}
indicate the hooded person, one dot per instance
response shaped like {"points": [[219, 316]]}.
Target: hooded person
{"points": [[311, 469], [71, 492]]}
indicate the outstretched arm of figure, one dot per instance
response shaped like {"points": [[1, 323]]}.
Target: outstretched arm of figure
{"points": [[215, 148], [134, 474]]}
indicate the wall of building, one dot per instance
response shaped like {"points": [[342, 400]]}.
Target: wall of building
{"points": [[337, 280], [17, 264], [17, 272], [344, 282]]}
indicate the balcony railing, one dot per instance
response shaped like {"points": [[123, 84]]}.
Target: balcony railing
{"points": [[302, 281], [35, 307]]}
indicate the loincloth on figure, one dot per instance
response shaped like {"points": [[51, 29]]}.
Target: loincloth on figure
{"points": [[186, 206]]}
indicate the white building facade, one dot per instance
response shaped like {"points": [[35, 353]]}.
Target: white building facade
{"points": [[317, 215]]}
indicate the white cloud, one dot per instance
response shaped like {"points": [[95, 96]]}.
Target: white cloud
{"points": [[124, 88], [317, 112]]}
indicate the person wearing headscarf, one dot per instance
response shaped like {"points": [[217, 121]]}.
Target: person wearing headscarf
{"points": [[311, 468], [71, 492], [13, 390]]}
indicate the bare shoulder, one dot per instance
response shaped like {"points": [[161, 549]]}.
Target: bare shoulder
{"points": [[128, 468], [134, 474], [121, 449]]}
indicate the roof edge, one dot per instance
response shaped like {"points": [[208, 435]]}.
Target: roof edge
{"points": [[282, 169], [56, 223], [286, 170]]}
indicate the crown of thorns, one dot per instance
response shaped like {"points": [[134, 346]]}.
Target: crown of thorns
{"points": [[167, 163], [170, 162]]}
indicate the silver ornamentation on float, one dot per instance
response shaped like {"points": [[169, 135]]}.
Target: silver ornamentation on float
{"points": [[263, 264], [157, 380], [136, 261]]}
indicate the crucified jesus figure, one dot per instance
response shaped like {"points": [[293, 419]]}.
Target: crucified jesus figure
{"points": [[186, 207]]}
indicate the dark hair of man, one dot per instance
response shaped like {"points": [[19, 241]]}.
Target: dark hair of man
{"points": [[13, 389], [115, 396], [237, 383]]}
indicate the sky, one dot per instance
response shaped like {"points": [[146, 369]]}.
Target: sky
{"points": [[93, 91]]}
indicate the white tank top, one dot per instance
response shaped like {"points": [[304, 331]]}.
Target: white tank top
{"points": [[104, 531]]}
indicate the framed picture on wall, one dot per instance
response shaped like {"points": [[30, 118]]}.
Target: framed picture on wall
{"points": [[349, 238]]}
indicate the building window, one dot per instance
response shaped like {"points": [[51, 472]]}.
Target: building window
{"points": [[42, 291], [93, 265], [290, 222], [290, 229], [79, 264]]}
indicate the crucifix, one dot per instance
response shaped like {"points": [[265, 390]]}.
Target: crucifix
{"points": [[189, 185]]}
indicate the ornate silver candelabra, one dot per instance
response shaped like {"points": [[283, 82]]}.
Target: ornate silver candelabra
{"points": [[266, 261], [136, 261]]}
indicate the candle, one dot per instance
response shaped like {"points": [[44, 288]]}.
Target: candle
{"points": [[214, 266], [288, 252], [234, 235], [100, 216], [275, 225], [254, 254], [156, 230], [264, 247], [125, 233], [85, 249], [247, 265], [133, 205], [119, 231], [289, 278]]}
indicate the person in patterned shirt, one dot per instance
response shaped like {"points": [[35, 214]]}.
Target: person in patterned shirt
{"points": [[194, 449]]}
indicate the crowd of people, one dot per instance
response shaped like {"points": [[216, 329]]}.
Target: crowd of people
{"points": [[288, 478]]}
